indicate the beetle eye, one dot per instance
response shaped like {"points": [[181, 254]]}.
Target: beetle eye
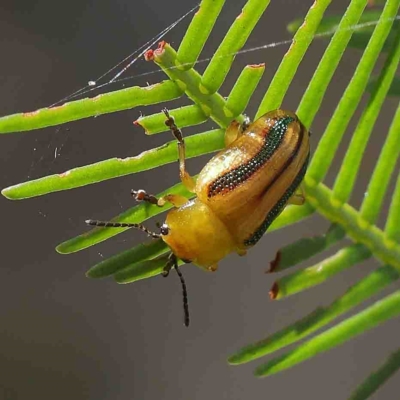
{"points": [[164, 229]]}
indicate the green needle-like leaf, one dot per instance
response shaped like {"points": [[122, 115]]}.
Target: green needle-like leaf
{"points": [[290, 215], [361, 291], [305, 248], [198, 32], [346, 178], [394, 87], [244, 88], [102, 104], [316, 90], [384, 168], [292, 59], [201, 143], [120, 261], [189, 81], [320, 272], [329, 142], [220, 64], [143, 270], [363, 30], [367, 319], [378, 378], [392, 230], [183, 116]]}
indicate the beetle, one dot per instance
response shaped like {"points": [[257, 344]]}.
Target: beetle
{"points": [[239, 192]]}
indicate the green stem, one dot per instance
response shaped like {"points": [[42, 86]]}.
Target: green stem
{"points": [[360, 230], [213, 105]]}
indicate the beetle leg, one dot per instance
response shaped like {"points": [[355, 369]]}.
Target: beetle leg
{"points": [[298, 197], [186, 179], [142, 195], [235, 130], [213, 268], [169, 265], [175, 199], [245, 124], [241, 252]]}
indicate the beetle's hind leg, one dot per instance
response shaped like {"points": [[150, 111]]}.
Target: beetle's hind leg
{"points": [[298, 197], [186, 179], [175, 199]]}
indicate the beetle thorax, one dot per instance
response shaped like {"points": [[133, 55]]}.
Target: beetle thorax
{"points": [[196, 234]]}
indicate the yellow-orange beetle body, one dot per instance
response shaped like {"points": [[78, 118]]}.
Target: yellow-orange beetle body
{"points": [[240, 191]]}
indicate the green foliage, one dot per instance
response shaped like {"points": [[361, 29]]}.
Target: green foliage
{"points": [[146, 260]]}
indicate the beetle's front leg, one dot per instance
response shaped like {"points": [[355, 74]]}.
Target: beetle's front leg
{"points": [[186, 179], [175, 199]]}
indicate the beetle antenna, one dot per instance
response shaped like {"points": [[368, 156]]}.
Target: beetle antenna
{"points": [[184, 293], [110, 224]]}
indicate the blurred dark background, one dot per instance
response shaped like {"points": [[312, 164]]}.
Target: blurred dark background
{"points": [[65, 336]]}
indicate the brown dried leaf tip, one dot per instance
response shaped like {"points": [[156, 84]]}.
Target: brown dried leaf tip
{"points": [[273, 293], [150, 54], [274, 264]]}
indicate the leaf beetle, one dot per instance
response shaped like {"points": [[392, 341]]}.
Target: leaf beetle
{"points": [[239, 192]]}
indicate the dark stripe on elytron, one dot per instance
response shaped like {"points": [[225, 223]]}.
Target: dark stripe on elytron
{"points": [[289, 161], [239, 175], [258, 234]]}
